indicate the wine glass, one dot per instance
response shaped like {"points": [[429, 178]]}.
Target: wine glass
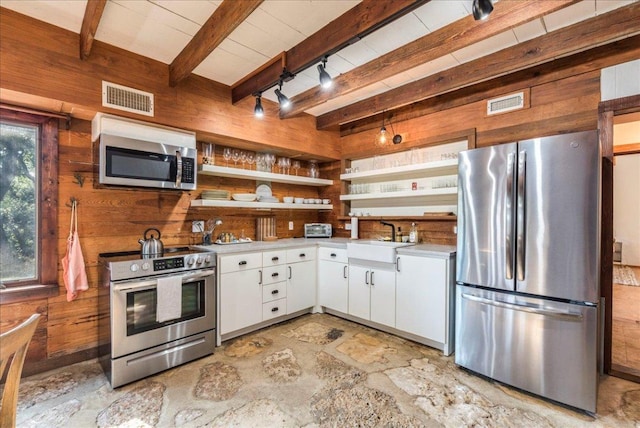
{"points": [[287, 165], [296, 166], [251, 159], [271, 160], [281, 165], [235, 156], [243, 158], [226, 154]]}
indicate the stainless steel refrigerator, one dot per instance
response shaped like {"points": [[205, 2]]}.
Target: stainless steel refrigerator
{"points": [[528, 265]]}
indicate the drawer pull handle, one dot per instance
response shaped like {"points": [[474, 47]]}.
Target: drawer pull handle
{"points": [[275, 259], [242, 263], [275, 292], [333, 254], [273, 275], [274, 309], [302, 255]]}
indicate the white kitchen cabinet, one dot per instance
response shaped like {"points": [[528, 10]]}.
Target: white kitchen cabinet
{"points": [[301, 279], [424, 296], [333, 279], [372, 294], [241, 294]]}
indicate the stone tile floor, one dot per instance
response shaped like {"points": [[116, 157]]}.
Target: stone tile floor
{"points": [[314, 371]]}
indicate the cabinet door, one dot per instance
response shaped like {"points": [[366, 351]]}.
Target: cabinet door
{"points": [[359, 291], [241, 294], [301, 286], [421, 297], [383, 296], [333, 285]]}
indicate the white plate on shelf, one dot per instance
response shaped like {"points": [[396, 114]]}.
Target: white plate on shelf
{"points": [[244, 197], [264, 190]]}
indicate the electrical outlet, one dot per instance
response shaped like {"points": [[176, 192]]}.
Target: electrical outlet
{"points": [[347, 226], [197, 226], [290, 225], [455, 229]]}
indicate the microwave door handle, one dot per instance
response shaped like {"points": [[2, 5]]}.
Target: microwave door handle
{"points": [[178, 169]]}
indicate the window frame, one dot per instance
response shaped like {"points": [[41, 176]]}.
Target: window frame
{"points": [[46, 283]]}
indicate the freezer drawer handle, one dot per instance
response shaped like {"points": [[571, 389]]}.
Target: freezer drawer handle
{"points": [[524, 308]]}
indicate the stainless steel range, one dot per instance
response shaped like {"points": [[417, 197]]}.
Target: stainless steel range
{"points": [[160, 311]]}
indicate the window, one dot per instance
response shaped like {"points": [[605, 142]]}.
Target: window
{"points": [[28, 211]]}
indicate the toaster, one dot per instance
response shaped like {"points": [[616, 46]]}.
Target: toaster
{"points": [[317, 230]]}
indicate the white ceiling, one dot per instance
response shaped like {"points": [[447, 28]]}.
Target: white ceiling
{"points": [[160, 29]]}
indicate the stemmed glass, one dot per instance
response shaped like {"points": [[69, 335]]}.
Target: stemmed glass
{"points": [[271, 160], [243, 158], [251, 159], [235, 157], [296, 166], [281, 165], [287, 165], [226, 154]]}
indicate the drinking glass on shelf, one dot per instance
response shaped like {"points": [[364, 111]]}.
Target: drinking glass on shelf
{"points": [[235, 156], [287, 165], [251, 159], [226, 154], [243, 158], [296, 166]]}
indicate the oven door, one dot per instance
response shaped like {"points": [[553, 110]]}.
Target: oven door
{"points": [[133, 313], [130, 162]]}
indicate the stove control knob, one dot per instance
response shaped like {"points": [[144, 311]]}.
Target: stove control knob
{"points": [[145, 266], [134, 267], [191, 261], [199, 260], [207, 259]]}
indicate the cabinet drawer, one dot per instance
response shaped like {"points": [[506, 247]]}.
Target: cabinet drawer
{"points": [[303, 254], [274, 274], [333, 254], [238, 262], [273, 258], [274, 309], [274, 291]]}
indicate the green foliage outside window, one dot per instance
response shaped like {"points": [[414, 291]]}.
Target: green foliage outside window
{"points": [[18, 207]]}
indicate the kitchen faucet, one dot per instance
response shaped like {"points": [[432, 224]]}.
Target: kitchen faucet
{"points": [[393, 230]]}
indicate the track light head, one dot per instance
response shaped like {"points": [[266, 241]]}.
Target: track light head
{"points": [[481, 9], [283, 100], [325, 78], [258, 111]]}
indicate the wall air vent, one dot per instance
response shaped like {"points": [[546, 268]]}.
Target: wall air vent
{"points": [[506, 103], [127, 99]]}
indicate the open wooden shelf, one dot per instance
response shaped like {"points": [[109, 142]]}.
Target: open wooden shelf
{"points": [[223, 171], [224, 203], [442, 167]]}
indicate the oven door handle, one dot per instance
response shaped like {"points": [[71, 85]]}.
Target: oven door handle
{"points": [[138, 285]]}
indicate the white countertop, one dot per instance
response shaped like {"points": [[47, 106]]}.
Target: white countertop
{"points": [[415, 250]]}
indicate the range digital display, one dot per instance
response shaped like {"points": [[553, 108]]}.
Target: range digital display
{"points": [[167, 264]]}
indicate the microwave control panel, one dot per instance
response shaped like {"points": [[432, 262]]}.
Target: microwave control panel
{"points": [[188, 170]]}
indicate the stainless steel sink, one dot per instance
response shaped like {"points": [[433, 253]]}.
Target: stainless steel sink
{"points": [[377, 251]]}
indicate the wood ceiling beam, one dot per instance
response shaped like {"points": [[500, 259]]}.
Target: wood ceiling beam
{"points": [[348, 28], [220, 24], [507, 14], [92, 15], [620, 23]]}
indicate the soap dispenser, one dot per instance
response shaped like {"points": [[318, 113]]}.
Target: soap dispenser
{"points": [[413, 233]]}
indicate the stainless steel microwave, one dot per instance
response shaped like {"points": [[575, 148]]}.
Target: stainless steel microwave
{"points": [[317, 230], [132, 162]]}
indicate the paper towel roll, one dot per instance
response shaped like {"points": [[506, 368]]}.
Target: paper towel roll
{"points": [[354, 227]]}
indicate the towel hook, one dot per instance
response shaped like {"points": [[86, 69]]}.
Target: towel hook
{"points": [[73, 201], [79, 178]]}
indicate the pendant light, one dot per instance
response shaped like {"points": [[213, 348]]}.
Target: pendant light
{"points": [[481, 9], [325, 78], [382, 138], [258, 111]]}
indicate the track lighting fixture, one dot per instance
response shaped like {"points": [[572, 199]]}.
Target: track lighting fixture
{"points": [[283, 100], [481, 9], [325, 79], [258, 111]]}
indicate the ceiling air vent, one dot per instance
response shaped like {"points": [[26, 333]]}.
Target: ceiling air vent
{"points": [[506, 103], [127, 99]]}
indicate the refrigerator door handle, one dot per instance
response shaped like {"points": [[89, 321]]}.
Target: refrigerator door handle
{"points": [[521, 212], [525, 308], [508, 244]]}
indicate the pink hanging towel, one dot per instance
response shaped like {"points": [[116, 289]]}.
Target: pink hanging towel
{"points": [[74, 274]]}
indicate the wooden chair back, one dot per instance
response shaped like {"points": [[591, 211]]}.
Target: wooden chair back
{"points": [[14, 343]]}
